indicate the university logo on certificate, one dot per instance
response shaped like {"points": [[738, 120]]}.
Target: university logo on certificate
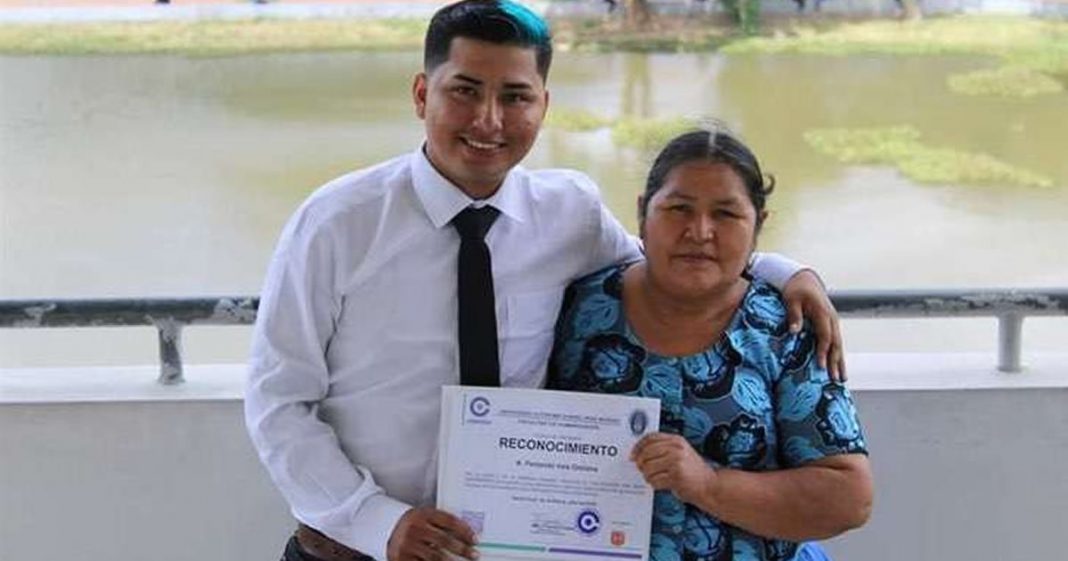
{"points": [[546, 475]]}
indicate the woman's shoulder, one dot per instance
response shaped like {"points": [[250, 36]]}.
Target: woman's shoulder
{"points": [[607, 281], [592, 304], [763, 330], [764, 309]]}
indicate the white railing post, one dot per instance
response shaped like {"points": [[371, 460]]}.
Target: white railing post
{"points": [[1010, 337], [170, 352]]}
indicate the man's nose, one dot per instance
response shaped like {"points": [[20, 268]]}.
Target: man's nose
{"points": [[490, 114]]}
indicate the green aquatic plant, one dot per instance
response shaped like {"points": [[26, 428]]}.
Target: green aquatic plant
{"points": [[1006, 81], [865, 146], [902, 148], [648, 134], [575, 120]]}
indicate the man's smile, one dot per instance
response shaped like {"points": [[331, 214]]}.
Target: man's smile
{"points": [[481, 144]]}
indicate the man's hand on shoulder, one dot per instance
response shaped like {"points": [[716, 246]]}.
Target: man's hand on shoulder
{"points": [[805, 297], [426, 533]]}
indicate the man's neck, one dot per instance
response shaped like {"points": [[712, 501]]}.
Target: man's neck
{"points": [[476, 192]]}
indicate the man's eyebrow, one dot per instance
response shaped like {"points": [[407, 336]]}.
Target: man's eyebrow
{"points": [[518, 86], [507, 85], [468, 79]]}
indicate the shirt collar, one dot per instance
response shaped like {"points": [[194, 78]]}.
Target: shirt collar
{"points": [[442, 200]]}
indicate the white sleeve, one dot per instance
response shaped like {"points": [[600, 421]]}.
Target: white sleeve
{"points": [[611, 242], [288, 377], [775, 269]]}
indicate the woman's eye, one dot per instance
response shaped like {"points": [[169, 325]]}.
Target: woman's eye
{"points": [[722, 213]]}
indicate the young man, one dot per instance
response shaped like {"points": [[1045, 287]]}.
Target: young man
{"points": [[357, 327]]}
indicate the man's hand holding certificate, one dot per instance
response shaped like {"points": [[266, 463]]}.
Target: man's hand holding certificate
{"points": [[541, 474]]}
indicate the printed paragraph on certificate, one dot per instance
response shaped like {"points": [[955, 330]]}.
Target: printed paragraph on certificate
{"points": [[541, 474]]}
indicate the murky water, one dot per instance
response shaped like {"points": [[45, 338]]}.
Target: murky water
{"points": [[131, 176]]}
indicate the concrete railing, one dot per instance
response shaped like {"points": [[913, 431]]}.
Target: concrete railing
{"points": [[170, 316]]}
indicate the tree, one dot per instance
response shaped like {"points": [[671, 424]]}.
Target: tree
{"points": [[910, 9], [746, 13], [637, 14]]}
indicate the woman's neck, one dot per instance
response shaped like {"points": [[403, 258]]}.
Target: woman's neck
{"points": [[672, 325]]}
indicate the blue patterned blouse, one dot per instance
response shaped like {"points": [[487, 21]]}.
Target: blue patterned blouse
{"points": [[756, 400]]}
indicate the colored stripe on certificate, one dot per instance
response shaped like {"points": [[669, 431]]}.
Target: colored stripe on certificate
{"points": [[596, 553], [511, 546]]}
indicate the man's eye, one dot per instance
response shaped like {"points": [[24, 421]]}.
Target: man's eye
{"points": [[516, 98], [464, 91]]}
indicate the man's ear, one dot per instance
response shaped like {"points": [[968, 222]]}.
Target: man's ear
{"points": [[419, 86]]}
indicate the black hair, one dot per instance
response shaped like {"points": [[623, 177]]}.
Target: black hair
{"points": [[718, 146], [503, 22]]}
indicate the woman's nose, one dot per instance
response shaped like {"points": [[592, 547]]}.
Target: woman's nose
{"points": [[702, 228]]}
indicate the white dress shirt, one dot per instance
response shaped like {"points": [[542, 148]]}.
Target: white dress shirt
{"points": [[356, 331]]}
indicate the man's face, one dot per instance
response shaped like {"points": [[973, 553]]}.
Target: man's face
{"points": [[483, 108]]}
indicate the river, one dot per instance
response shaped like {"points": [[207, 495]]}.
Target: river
{"points": [[172, 176]]}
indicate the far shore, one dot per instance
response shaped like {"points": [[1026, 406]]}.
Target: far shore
{"points": [[1035, 43]]}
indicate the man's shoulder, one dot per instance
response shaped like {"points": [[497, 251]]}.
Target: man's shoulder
{"points": [[561, 182], [364, 190]]}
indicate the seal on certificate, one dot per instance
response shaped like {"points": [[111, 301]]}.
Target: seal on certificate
{"points": [[588, 522], [639, 421], [479, 406]]}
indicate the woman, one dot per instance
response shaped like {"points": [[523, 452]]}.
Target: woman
{"points": [[759, 449]]}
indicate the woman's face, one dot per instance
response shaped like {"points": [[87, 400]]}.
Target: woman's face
{"points": [[699, 230]]}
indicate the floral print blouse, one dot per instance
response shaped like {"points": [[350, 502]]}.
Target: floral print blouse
{"points": [[755, 400]]}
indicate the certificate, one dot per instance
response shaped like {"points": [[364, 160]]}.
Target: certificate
{"points": [[546, 475]]}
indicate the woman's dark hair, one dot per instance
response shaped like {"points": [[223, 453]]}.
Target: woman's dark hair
{"points": [[715, 146], [503, 22]]}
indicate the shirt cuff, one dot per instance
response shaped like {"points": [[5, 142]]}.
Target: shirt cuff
{"points": [[376, 519], [775, 269]]}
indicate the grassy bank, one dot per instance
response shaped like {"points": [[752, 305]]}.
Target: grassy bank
{"points": [[211, 38], [1040, 45], [1033, 53]]}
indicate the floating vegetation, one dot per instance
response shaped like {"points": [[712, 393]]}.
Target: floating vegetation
{"points": [[901, 147], [575, 120], [649, 134], [1007, 81]]}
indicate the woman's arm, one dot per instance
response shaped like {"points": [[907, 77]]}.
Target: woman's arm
{"points": [[820, 499]]}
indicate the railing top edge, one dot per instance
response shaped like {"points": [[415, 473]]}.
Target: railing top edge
{"points": [[220, 310], [241, 309]]}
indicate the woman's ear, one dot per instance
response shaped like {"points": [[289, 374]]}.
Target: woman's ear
{"points": [[641, 216], [759, 224]]}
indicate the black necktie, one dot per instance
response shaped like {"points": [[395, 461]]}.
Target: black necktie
{"points": [[478, 317]]}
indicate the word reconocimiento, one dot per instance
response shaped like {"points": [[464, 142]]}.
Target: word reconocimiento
{"points": [[541, 445]]}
